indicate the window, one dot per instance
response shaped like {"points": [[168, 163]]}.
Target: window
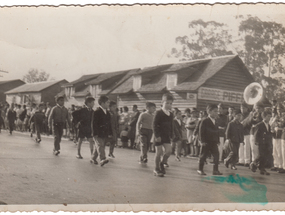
{"points": [[137, 82], [171, 80]]}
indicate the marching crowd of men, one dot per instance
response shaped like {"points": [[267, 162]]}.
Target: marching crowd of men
{"points": [[251, 138]]}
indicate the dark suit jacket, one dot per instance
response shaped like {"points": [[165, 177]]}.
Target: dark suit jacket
{"points": [[101, 123], [262, 136], [84, 117], [234, 132], [177, 129], [134, 119], [11, 115], [208, 132]]}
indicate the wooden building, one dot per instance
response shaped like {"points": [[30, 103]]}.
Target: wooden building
{"points": [[8, 85], [35, 92], [94, 85], [192, 83]]}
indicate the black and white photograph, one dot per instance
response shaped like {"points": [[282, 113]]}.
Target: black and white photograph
{"points": [[142, 107]]}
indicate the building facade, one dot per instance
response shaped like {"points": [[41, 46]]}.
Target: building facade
{"points": [[194, 84], [35, 92]]}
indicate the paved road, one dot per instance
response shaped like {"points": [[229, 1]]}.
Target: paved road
{"points": [[31, 174]]}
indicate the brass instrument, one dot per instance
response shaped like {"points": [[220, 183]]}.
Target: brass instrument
{"points": [[254, 94]]}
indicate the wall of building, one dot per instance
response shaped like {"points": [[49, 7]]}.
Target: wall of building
{"points": [[180, 100], [48, 94], [8, 86], [230, 79], [24, 98]]}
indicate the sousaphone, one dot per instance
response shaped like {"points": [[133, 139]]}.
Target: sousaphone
{"points": [[254, 94]]}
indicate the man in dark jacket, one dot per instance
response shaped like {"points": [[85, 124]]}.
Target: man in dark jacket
{"points": [[263, 140], [209, 137], [11, 117], [234, 136], [82, 118], [102, 129]]}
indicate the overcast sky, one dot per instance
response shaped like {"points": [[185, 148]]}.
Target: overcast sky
{"points": [[68, 42]]}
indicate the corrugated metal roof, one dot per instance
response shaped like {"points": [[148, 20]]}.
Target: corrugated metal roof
{"points": [[105, 76], [211, 68], [154, 69], [9, 81], [157, 84], [180, 66], [33, 87], [83, 79], [126, 87], [83, 93], [196, 73], [129, 74]]}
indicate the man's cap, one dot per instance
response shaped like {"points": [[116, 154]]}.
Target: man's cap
{"points": [[89, 98], [59, 97]]}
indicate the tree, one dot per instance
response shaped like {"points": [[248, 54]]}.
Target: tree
{"points": [[206, 39], [35, 76], [260, 44], [263, 53]]}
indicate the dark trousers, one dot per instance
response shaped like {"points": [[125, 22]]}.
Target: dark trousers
{"points": [[144, 138], [99, 148], [38, 128], [132, 136], [205, 151], [262, 157], [113, 142], [233, 155], [58, 132], [11, 125]]}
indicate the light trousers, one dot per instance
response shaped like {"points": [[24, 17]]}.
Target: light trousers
{"points": [[254, 148], [221, 146], [244, 151]]}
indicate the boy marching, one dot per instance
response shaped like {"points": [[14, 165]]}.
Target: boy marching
{"points": [[101, 130], [163, 132], [209, 137], [58, 117]]}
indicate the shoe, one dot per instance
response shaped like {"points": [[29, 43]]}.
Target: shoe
{"points": [[201, 172], [264, 172], [281, 170], [246, 165], [253, 167], [144, 160], [31, 135], [79, 157], [226, 163], [188, 156], [274, 169], [111, 155], [56, 153], [158, 173], [217, 173], [177, 158], [166, 165], [240, 164], [234, 168], [162, 170], [103, 162], [39, 140], [93, 161]]}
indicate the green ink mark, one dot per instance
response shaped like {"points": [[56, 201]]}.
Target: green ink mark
{"points": [[253, 191]]}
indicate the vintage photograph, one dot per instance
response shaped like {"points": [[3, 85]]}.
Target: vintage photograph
{"points": [[142, 107]]}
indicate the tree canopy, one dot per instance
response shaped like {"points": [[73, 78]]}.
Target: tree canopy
{"points": [[34, 75], [260, 44]]}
